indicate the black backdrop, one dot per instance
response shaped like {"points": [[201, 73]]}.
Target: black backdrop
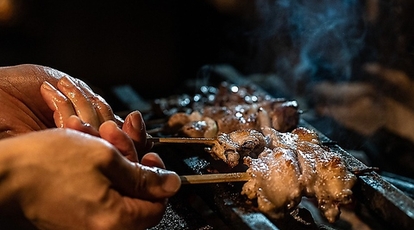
{"points": [[152, 44]]}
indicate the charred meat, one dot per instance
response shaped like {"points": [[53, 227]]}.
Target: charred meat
{"points": [[229, 109], [233, 147], [320, 174], [275, 181]]}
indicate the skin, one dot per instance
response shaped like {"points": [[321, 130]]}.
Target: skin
{"points": [[76, 106], [24, 109], [107, 182], [100, 190]]}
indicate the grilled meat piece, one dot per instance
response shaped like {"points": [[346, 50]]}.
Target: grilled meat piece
{"points": [[306, 135], [230, 94], [325, 177], [274, 181], [282, 116], [238, 144], [206, 127], [233, 118], [285, 116], [232, 108], [322, 173]]}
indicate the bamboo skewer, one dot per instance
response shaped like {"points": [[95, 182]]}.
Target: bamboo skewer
{"points": [[215, 178], [204, 178], [182, 140]]}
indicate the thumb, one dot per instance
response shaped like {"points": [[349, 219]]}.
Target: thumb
{"points": [[140, 181]]}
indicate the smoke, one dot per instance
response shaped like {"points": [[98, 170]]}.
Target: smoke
{"points": [[312, 39]]}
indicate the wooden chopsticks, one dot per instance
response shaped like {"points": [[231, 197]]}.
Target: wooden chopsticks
{"points": [[215, 178]]}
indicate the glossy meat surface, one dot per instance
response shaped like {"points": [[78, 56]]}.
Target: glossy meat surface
{"points": [[295, 161], [238, 144], [232, 108], [275, 181]]}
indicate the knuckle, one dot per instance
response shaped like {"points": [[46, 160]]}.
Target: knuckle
{"points": [[102, 104]]}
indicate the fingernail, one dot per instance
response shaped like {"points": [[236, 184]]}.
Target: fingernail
{"points": [[66, 82], [137, 121], [166, 182], [171, 181]]}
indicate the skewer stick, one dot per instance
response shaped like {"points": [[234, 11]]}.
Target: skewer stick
{"points": [[182, 140], [215, 178]]}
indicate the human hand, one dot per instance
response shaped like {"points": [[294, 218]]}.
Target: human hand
{"points": [[73, 97], [23, 109], [65, 179]]}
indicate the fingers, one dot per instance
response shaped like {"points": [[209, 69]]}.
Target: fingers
{"points": [[74, 122], [134, 126], [152, 160], [74, 97], [58, 103], [110, 132], [144, 182], [155, 183], [103, 109], [83, 107], [92, 176]]}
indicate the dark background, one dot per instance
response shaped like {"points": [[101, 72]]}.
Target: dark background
{"points": [[154, 45], [151, 45]]}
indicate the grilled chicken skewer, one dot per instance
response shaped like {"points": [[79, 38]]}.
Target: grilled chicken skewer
{"points": [[280, 115], [295, 164], [226, 109], [284, 162], [230, 148], [283, 167], [210, 142]]}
